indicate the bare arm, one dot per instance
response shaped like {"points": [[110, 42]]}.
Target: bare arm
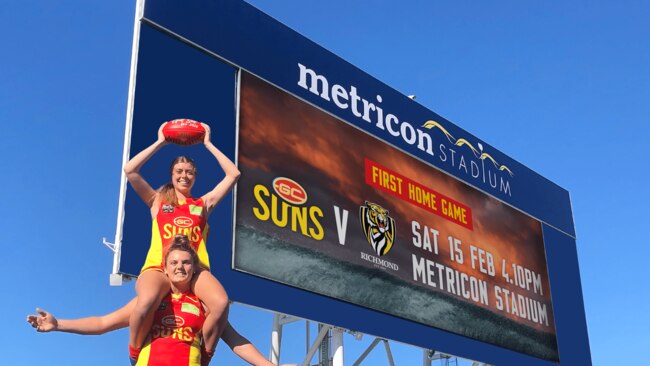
{"points": [[132, 170], [212, 198], [46, 322], [243, 348]]}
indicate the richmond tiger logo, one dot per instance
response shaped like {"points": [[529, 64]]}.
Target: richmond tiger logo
{"points": [[378, 227]]}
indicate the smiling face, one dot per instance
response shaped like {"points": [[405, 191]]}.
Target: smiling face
{"points": [[179, 267], [183, 177]]}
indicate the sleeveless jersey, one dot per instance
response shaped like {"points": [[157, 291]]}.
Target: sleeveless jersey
{"points": [[175, 338], [187, 218]]}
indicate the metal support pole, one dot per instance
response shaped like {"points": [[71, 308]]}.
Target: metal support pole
{"points": [[427, 356], [324, 350], [307, 333], [375, 342], [329, 344], [389, 354], [337, 346], [314, 347], [116, 278], [276, 339], [366, 352]]}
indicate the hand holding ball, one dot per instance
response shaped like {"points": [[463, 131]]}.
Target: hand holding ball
{"points": [[183, 132]]}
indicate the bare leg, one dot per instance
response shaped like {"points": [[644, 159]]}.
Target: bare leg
{"points": [[151, 287], [214, 296]]}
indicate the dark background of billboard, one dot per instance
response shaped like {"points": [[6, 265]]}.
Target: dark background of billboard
{"points": [[282, 136], [175, 80], [286, 137]]}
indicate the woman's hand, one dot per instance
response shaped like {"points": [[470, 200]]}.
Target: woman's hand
{"points": [[43, 322], [206, 139], [161, 135]]}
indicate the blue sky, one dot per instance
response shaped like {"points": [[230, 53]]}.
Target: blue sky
{"points": [[561, 87]]}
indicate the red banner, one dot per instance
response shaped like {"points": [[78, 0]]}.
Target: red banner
{"points": [[384, 179]]}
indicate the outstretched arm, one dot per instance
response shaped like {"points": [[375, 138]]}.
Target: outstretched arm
{"points": [[94, 325], [132, 170], [243, 348], [212, 198], [46, 322]]}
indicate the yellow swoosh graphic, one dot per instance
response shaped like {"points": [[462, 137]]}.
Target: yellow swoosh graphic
{"points": [[462, 142], [431, 124], [503, 167], [487, 156]]}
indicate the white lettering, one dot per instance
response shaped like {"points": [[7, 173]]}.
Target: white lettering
{"points": [[372, 113], [341, 223]]}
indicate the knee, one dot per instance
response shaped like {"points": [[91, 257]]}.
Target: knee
{"points": [[217, 303], [145, 305]]}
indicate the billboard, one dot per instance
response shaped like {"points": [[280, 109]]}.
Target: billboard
{"points": [[356, 207], [327, 208]]}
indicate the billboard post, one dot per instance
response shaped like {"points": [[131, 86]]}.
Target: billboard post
{"points": [[116, 278]]}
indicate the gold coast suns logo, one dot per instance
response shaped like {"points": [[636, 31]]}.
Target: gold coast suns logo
{"points": [[172, 321], [181, 225], [286, 206], [378, 227]]}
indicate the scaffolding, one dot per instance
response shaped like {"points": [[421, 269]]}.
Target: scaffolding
{"points": [[329, 345]]}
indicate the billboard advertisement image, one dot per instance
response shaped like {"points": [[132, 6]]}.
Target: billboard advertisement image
{"points": [[328, 208]]}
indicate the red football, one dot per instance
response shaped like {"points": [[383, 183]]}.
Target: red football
{"points": [[183, 132]]}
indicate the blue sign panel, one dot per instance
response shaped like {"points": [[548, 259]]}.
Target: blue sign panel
{"points": [[176, 81], [356, 206]]}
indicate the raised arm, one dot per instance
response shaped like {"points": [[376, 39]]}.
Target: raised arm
{"points": [[46, 322], [212, 198], [132, 170]]}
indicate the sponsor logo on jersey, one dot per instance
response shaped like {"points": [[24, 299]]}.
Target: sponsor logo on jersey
{"points": [[168, 208], [190, 308], [196, 210]]}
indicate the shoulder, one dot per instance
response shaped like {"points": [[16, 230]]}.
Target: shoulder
{"points": [[157, 202], [196, 206], [190, 296], [195, 201]]}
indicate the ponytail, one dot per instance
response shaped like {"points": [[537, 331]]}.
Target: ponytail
{"points": [[167, 194]]}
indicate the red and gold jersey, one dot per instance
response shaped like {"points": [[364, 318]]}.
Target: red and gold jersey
{"points": [[187, 218], [175, 338]]}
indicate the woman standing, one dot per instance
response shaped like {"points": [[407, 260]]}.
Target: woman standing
{"points": [[174, 210]]}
